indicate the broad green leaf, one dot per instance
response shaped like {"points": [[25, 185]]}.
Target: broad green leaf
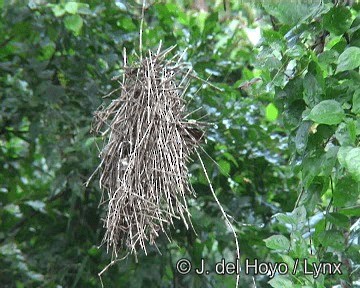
{"points": [[290, 13], [351, 211], [310, 197], [346, 192], [285, 218], [352, 161], [356, 102], [71, 7], [271, 112], [312, 90], [349, 59], [277, 242], [224, 167], [302, 136], [339, 220], [338, 20], [127, 24], [342, 153], [299, 215], [333, 239], [328, 160], [346, 133], [281, 281], [58, 10], [231, 158], [73, 23], [327, 112], [289, 261], [299, 247], [310, 169]]}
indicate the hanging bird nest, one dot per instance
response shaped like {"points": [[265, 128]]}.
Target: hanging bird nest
{"points": [[143, 169]]}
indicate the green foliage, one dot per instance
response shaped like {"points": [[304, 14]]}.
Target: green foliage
{"points": [[286, 134], [315, 83]]}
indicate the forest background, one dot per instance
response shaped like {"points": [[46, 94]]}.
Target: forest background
{"points": [[285, 137]]}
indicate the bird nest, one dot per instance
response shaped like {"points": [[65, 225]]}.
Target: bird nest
{"points": [[148, 141]]}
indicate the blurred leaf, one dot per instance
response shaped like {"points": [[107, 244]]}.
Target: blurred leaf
{"points": [[73, 23], [13, 210], [352, 162], [281, 281], [288, 12], [349, 59], [58, 10], [337, 20], [302, 136], [71, 7], [333, 239], [271, 112], [356, 102], [36, 205], [342, 153], [224, 167]]}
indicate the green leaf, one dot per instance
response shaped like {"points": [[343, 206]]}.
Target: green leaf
{"points": [[312, 90], [302, 136], [345, 133], [327, 112], [328, 160], [58, 10], [333, 239], [338, 219], [277, 242], [281, 281], [73, 23], [271, 112], [71, 7], [349, 59], [299, 248], [338, 20], [356, 102], [310, 169], [224, 167], [127, 24], [346, 192], [299, 215], [343, 151], [351, 211], [352, 161], [285, 218], [289, 261], [290, 13]]}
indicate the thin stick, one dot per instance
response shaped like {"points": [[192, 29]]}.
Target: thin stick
{"points": [[108, 266], [141, 28], [227, 221]]}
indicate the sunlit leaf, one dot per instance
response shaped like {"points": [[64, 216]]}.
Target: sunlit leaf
{"points": [[271, 112], [73, 23]]}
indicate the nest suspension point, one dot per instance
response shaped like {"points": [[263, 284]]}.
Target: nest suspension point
{"points": [[143, 172]]}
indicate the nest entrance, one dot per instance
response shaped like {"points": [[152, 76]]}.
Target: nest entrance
{"points": [[143, 172]]}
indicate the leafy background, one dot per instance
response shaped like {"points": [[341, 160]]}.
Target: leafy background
{"points": [[285, 138]]}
